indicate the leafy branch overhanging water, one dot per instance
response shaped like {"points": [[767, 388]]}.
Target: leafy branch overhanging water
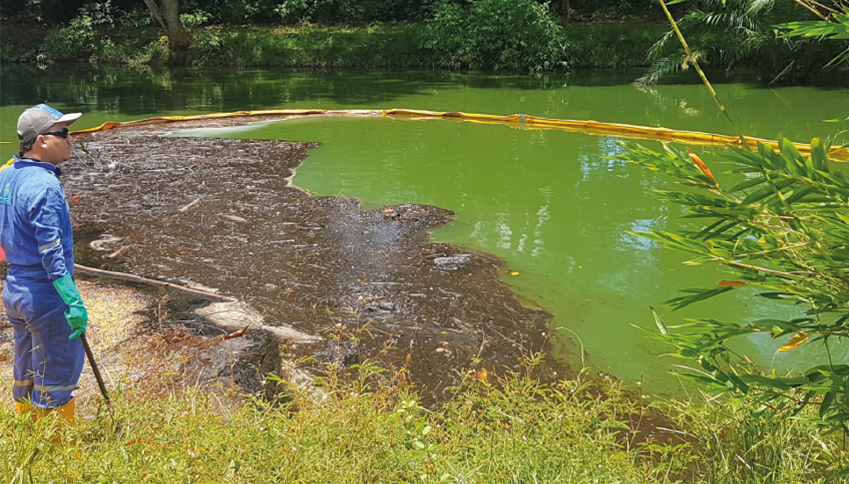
{"points": [[781, 231]]}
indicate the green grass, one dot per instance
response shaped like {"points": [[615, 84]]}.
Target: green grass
{"points": [[373, 429]]}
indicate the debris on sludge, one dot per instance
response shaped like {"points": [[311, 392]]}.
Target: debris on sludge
{"points": [[223, 214]]}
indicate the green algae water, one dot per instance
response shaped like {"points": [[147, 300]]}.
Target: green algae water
{"points": [[554, 205]]}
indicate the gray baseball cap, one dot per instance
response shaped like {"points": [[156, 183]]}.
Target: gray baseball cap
{"points": [[38, 119]]}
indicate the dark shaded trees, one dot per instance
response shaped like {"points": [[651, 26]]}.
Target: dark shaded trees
{"points": [[167, 13]]}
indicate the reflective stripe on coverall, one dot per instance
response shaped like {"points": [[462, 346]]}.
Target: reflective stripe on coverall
{"points": [[36, 235]]}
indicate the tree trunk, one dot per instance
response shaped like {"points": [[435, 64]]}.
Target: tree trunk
{"points": [[167, 13]]}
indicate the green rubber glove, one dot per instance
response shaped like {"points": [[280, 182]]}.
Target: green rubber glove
{"points": [[76, 314]]}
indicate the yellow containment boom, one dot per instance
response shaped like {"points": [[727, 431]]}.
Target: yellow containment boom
{"points": [[523, 121]]}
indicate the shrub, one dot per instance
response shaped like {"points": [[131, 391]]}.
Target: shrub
{"points": [[79, 38], [15, 46], [495, 34], [195, 19], [102, 32], [334, 12]]}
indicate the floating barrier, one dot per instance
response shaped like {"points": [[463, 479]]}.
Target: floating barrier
{"points": [[520, 121]]}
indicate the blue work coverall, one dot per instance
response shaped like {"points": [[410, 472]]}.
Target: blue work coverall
{"points": [[36, 235]]}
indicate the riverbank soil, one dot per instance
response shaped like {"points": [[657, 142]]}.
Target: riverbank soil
{"points": [[147, 346], [222, 214]]}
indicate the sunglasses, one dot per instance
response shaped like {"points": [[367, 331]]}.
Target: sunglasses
{"points": [[62, 134]]}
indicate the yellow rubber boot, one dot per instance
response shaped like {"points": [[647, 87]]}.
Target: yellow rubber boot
{"points": [[64, 412], [23, 408]]}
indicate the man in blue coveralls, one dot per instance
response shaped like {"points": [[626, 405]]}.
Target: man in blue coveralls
{"points": [[41, 298]]}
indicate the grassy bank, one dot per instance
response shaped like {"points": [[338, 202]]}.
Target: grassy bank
{"points": [[374, 430], [395, 45]]}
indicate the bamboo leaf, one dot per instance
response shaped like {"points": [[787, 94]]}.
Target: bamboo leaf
{"points": [[747, 184], [697, 295], [776, 383], [661, 326], [769, 158], [785, 229], [702, 166], [732, 381], [818, 154], [792, 156], [701, 234], [757, 195], [827, 400], [795, 341], [731, 224], [798, 195]]}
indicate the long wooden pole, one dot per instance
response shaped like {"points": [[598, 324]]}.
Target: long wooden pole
{"points": [[94, 368]]}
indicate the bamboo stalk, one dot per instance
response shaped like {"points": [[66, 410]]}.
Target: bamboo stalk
{"points": [[812, 9], [701, 73]]}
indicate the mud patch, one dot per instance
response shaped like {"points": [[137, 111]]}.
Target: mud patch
{"points": [[223, 214]]}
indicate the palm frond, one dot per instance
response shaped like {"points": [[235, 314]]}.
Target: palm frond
{"points": [[731, 32], [663, 67]]}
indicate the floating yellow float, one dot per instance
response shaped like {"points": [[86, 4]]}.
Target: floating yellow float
{"points": [[523, 121]]}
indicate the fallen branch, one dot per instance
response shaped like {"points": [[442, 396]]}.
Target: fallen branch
{"points": [[118, 252], [234, 218], [189, 205], [132, 277]]}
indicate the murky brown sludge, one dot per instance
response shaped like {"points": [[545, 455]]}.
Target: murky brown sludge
{"points": [[319, 264]]}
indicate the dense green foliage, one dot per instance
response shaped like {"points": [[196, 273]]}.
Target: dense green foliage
{"points": [[372, 429], [129, 35], [325, 12], [610, 45], [743, 33], [836, 28], [506, 35], [780, 231], [131, 39], [381, 45], [335, 12], [495, 34], [510, 35], [492, 34]]}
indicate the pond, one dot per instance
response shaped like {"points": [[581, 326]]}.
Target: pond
{"points": [[552, 204]]}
